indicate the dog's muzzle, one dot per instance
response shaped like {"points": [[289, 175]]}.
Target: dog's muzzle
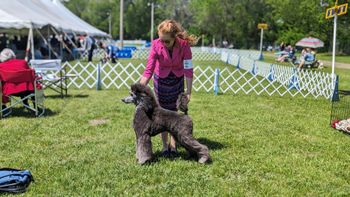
{"points": [[128, 99]]}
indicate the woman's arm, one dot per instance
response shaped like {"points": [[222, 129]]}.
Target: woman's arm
{"points": [[188, 69], [151, 63], [188, 87]]}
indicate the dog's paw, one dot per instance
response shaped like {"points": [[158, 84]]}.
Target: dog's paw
{"points": [[204, 160], [145, 161]]}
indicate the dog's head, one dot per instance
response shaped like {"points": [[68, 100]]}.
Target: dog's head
{"points": [[141, 95]]}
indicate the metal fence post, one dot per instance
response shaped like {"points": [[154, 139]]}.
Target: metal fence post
{"points": [[254, 68], [216, 81], [335, 96], [271, 74], [98, 76], [294, 81], [238, 63]]}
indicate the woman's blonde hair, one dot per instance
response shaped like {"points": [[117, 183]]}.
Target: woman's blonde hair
{"points": [[175, 30]]}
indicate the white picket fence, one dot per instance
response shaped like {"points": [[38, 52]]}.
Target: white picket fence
{"points": [[206, 78]]}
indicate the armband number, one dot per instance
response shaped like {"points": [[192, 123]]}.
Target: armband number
{"points": [[188, 64]]}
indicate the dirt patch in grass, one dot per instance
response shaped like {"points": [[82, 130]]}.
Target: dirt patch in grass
{"points": [[98, 121]]}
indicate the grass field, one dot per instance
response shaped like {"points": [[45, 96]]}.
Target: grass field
{"points": [[260, 146], [270, 56], [338, 58]]}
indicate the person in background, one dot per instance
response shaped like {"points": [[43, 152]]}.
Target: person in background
{"points": [[282, 46], [89, 46], [289, 54], [110, 52], [307, 56], [9, 62], [170, 64]]}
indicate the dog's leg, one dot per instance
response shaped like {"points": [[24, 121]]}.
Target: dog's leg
{"points": [[144, 148], [192, 145]]}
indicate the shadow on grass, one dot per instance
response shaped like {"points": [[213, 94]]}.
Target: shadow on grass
{"points": [[182, 155], [212, 145], [23, 112], [344, 92], [57, 96]]}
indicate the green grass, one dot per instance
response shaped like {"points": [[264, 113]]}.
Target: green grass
{"points": [[270, 57], [338, 58], [260, 146]]}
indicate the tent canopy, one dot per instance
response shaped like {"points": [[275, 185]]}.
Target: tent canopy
{"points": [[19, 14]]}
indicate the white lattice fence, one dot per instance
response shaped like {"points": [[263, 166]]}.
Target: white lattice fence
{"points": [[303, 83], [117, 76], [85, 74], [141, 54], [203, 79], [274, 80], [97, 54]]}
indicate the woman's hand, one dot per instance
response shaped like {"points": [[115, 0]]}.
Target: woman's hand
{"points": [[188, 97], [144, 80], [188, 88]]}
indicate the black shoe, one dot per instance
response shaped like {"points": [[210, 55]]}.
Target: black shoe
{"points": [[165, 153], [174, 154]]}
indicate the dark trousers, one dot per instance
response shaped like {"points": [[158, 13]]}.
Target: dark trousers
{"points": [[90, 55]]}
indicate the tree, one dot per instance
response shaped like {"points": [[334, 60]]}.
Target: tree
{"points": [[232, 20]]}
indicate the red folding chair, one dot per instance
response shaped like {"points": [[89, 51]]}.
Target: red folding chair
{"points": [[19, 77]]}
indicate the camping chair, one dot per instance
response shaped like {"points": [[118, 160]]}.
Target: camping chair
{"points": [[54, 76], [27, 75], [312, 64]]}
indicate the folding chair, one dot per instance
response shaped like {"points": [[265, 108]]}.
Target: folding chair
{"points": [[54, 76], [17, 77]]}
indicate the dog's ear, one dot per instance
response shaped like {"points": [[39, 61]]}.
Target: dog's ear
{"points": [[140, 88], [135, 87]]}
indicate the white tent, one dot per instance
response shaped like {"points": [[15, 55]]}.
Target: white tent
{"points": [[36, 14], [19, 14]]}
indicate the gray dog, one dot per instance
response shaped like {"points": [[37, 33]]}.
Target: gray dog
{"points": [[150, 119]]}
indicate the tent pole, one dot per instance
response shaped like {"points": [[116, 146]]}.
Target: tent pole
{"points": [[32, 42], [62, 44], [48, 44], [28, 45], [70, 40], [48, 41]]}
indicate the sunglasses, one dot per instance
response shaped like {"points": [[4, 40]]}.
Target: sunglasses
{"points": [[166, 41]]}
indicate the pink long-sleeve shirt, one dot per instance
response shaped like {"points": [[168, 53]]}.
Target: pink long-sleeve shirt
{"points": [[160, 62]]}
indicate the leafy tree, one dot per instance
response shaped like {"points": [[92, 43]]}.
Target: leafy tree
{"points": [[232, 20]]}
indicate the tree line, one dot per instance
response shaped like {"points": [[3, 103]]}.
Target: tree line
{"points": [[234, 21]]}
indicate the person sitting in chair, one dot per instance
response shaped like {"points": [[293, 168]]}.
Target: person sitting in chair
{"points": [[288, 54], [8, 62], [307, 56]]}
